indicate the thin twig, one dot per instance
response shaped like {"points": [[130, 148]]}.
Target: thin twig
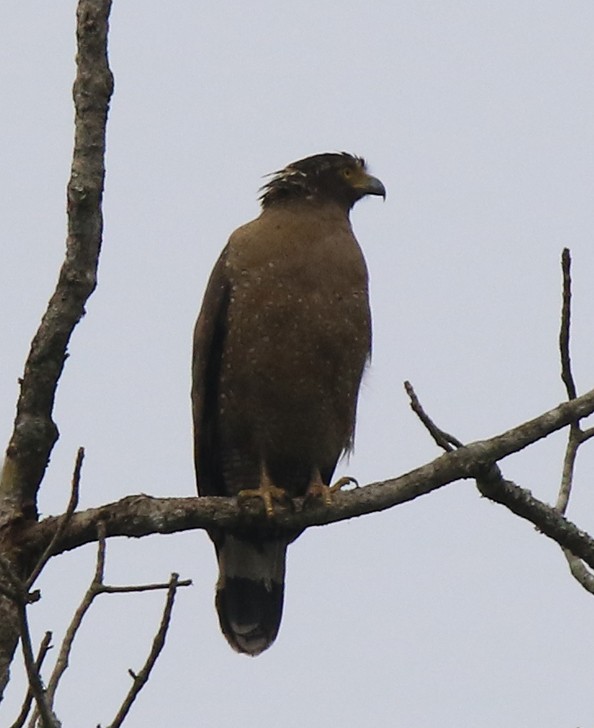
{"points": [[577, 436], [105, 589], [492, 485], [140, 679], [564, 333], [72, 504], [573, 442], [44, 707], [443, 439], [97, 587], [44, 648], [66, 646], [579, 571], [587, 434], [574, 436]]}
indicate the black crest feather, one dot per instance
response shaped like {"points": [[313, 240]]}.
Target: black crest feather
{"points": [[315, 176]]}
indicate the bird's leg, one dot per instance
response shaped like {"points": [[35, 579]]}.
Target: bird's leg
{"points": [[318, 489], [266, 490], [341, 482]]}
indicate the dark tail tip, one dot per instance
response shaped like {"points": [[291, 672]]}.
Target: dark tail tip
{"points": [[250, 613]]}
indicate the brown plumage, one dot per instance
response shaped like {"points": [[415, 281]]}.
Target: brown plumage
{"points": [[280, 346]]}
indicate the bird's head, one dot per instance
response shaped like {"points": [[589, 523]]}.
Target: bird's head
{"points": [[337, 177]]}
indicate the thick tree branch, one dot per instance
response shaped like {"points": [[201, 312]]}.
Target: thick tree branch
{"points": [[35, 433], [142, 515]]}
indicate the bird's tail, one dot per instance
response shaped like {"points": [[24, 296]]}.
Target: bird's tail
{"points": [[250, 591]]}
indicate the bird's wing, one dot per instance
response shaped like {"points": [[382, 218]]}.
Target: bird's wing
{"points": [[209, 336]]}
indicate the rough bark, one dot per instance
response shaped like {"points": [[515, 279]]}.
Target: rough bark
{"points": [[35, 433], [142, 515]]}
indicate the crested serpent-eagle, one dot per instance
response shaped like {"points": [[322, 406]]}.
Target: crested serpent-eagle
{"points": [[280, 346]]}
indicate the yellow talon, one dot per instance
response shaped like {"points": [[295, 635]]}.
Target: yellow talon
{"points": [[318, 489], [267, 491]]}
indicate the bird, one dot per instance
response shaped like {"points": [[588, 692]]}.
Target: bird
{"points": [[280, 347]]}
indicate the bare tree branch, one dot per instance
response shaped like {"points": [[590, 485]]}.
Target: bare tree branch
{"points": [[140, 679], [44, 708], [72, 503], [66, 646], [96, 587], [35, 433], [442, 439], [21, 597], [574, 440], [142, 515], [106, 589], [576, 436], [575, 433], [579, 571], [566, 374], [492, 485], [587, 434], [44, 648]]}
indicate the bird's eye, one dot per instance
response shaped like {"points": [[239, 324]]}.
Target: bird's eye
{"points": [[347, 172]]}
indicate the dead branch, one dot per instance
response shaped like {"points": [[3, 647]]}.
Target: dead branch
{"points": [[72, 503], [21, 597], [492, 485], [44, 707], [143, 515], [564, 333], [96, 587], [141, 678], [35, 433], [576, 435], [442, 439], [66, 646], [105, 589], [44, 648]]}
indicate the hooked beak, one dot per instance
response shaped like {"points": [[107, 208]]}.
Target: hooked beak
{"points": [[372, 186]]}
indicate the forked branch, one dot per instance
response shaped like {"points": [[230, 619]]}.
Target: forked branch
{"points": [[97, 587], [576, 436], [140, 679]]}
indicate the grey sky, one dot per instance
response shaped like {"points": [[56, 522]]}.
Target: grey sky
{"points": [[479, 119]]}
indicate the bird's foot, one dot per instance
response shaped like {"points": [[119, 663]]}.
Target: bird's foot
{"points": [[318, 489], [268, 492]]}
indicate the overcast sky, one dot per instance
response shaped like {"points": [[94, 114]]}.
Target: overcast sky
{"points": [[479, 119]]}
